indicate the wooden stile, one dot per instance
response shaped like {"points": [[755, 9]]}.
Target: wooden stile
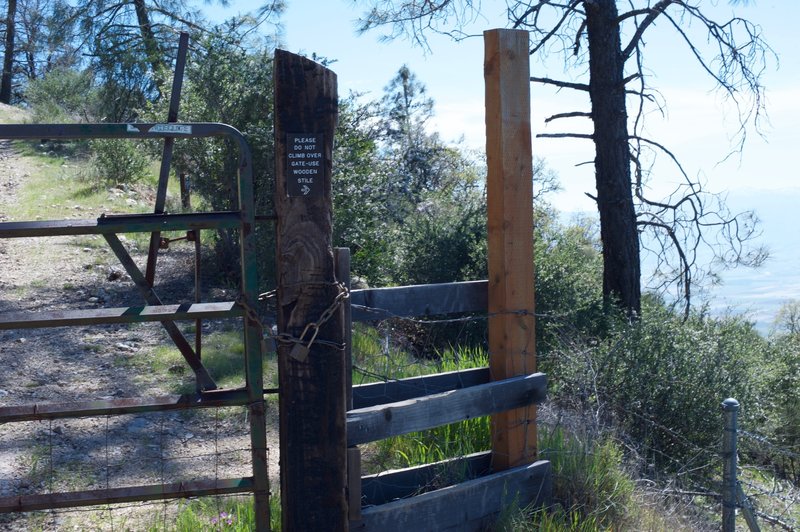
{"points": [[510, 235]]}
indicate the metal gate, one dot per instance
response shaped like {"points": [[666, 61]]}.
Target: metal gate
{"points": [[155, 310]]}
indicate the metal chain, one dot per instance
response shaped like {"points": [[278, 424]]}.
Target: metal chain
{"points": [[313, 327], [301, 347], [252, 316]]}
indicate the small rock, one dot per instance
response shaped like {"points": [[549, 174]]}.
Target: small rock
{"points": [[3, 393], [21, 340], [114, 275], [125, 347], [58, 429], [87, 250], [93, 299], [176, 368]]}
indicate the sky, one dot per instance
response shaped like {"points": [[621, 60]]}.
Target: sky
{"points": [[453, 74], [697, 125]]}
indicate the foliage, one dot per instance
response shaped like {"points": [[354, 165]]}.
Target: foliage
{"points": [[63, 95], [602, 44], [219, 513], [590, 487], [360, 210], [660, 380], [228, 79], [782, 373], [45, 31], [116, 161], [444, 239], [568, 270]]}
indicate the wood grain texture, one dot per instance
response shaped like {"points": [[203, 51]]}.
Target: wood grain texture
{"points": [[468, 506], [388, 486], [393, 419], [510, 234], [419, 300], [377, 393], [312, 399]]}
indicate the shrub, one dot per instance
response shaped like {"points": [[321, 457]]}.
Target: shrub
{"points": [[661, 380], [118, 161], [63, 95]]}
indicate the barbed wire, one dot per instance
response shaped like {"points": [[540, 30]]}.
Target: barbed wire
{"points": [[766, 442]]}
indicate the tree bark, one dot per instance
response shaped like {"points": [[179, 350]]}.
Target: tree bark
{"points": [[8, 56], [151, 46], [621, 274]]}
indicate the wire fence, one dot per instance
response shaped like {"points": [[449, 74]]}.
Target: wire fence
{"points": [[668, 462], [104, 453], [107, 452]]}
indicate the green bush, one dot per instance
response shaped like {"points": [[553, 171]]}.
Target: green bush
{"points": [[117, 161], [661, 379], [63, 95]]}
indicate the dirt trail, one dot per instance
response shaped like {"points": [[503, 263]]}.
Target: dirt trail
{"points": [[97, 362]]}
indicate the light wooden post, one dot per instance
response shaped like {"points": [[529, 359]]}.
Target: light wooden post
{"points": [[311, 374], [512, 348]]}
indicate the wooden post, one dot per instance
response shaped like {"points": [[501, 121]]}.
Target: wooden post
{"points": [[342, 258], [512, 348], [312, 384]]}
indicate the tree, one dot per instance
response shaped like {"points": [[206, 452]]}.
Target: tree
{"points": [[592, 31], [8, 52], [418, 161], [47, 41]]}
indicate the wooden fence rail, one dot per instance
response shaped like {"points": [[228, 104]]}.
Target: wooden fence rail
{"points": [[422, 413]]}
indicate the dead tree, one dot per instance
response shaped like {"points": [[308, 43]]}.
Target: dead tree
{"points": [[611, 42]]}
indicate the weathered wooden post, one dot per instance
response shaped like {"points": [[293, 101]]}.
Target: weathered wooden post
{"points": [[512, 348], [310, 347]]}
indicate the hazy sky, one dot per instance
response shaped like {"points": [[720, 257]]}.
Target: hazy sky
{"points": [[697, 126]]}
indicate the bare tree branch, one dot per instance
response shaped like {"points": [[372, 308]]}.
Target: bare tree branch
{"points": [[652, 14], [567, 115], [562, 84], [564, 136]]}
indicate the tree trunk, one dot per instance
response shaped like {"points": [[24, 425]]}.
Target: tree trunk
{"points": [[148, 37], [8, 56], [621, 277]]}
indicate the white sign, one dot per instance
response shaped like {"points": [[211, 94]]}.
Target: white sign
{"points": [[179, 129]]}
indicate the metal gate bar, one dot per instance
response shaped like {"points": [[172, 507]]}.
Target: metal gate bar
{"points": [[109, 226], [48, 411], [166, 154], [61, 318], [48, 501], [204, 380], [121, 223]]}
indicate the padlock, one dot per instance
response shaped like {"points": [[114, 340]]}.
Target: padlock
{"points": [[299, 352]]}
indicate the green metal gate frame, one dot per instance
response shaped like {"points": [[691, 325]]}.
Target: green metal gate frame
{"points": [[207, 396]]}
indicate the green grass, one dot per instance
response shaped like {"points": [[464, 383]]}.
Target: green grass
{"points": [[770, 494], [222, 355], [56, 187], [210, 513], [592, 491]]}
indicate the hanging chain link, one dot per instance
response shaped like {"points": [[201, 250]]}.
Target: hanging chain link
{"points": [[252, 316], [302, 345]]}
